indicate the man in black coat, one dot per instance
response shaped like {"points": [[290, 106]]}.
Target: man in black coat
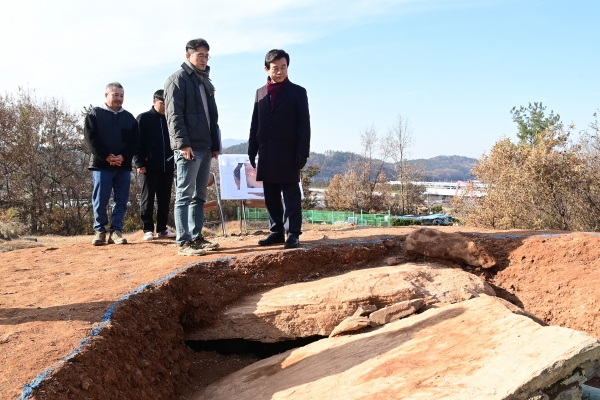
{"points": [[154, 162], [280, 136]]}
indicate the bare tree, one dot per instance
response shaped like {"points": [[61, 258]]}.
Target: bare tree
{"points": [[362, 185], [44, 164], [371, 172], [395, 147]]}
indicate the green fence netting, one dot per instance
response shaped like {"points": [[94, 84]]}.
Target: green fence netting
{"points": [[320, 217]]}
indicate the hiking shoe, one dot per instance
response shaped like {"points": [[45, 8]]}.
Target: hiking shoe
{"points": [[148, 235], [190, 249], [167, 233], [116, 237], [99, 238], [205, 244]]}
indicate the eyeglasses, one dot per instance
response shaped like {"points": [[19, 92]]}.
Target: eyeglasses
{"points": [[202, 56]]}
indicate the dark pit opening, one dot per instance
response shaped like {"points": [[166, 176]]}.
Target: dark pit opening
{"points": [[244, 347]]}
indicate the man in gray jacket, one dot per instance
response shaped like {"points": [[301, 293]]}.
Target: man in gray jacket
{"points": [[192, 119]]}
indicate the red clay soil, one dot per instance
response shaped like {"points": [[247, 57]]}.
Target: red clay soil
{"points": [[51, 298]]}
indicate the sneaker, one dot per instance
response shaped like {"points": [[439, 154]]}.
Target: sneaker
{"points": [[190, 249], [99, 238], [116, 237], [167, 233], [148, 235], [205, 244]]}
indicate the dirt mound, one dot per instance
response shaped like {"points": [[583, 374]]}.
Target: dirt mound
{"points": [[557, 278]]}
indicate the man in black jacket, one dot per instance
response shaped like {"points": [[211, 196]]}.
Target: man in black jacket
{"points": [[112, 136], [154, 162], [192, 118], [280, 136]]}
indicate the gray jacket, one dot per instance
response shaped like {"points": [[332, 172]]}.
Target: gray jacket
{"points": [[186, 119]]}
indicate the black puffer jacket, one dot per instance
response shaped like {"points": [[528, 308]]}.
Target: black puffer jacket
{"points": [[154, 150], [188, 125], [107, 132]]}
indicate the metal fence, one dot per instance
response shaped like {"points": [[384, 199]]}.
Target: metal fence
{"points": [[321, 217]]}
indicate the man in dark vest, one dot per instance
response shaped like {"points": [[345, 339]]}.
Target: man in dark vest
{"points": [[154, 162], [112, 136], [280, 136], [192, 118]]}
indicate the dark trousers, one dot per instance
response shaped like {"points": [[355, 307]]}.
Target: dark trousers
{"points": [[293, 206], [157, 184]]}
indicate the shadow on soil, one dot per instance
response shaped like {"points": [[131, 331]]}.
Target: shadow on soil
{"points": [[91, 312]]}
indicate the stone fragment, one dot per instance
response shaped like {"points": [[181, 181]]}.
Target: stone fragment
{"points": [[395, 260], [350, 324], [448, 246], [85, 385], [395, 311], [390, 244], [317, 307], [364, 310], [476, 349]]}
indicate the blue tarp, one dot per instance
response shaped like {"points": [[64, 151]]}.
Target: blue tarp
{"points": [[432, 219]]}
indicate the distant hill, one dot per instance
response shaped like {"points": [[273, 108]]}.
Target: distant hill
{"points": [[440, 168], [447, 168], [240, 148], [231, 142]]}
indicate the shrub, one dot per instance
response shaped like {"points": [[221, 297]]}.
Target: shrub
{"points": [[437, 209], [404, 222]]}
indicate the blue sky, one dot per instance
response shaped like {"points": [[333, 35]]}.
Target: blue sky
{"points": [[454, 69]]}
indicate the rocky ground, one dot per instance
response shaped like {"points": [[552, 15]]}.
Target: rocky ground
{"points": [[51, 298]]}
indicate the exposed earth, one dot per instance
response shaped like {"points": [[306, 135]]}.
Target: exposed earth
{"points": [[53, 296]]}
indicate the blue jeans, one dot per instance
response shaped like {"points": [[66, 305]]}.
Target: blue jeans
{"points": [[190, 194], [105, 183]]}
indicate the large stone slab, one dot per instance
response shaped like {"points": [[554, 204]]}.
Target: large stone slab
{"points": [[448, 246], [316, 308], [477, 349]]}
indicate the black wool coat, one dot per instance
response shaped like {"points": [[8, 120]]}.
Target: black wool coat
{"points": [[277, 135]]}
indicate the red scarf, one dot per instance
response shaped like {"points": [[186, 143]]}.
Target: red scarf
{"points": [[274, 89]]}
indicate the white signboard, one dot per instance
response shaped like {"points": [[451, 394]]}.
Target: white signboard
{"points": [[238, 178]]}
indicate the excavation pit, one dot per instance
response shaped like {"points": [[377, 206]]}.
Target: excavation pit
{"points": [[141, 354]]}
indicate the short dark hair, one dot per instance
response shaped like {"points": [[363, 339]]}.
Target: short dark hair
{"points": [[159, 94], [193, 44], [113, 85], [276, 54]]}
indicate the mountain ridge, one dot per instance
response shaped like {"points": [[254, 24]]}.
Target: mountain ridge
{"points": [[438, 168]]}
